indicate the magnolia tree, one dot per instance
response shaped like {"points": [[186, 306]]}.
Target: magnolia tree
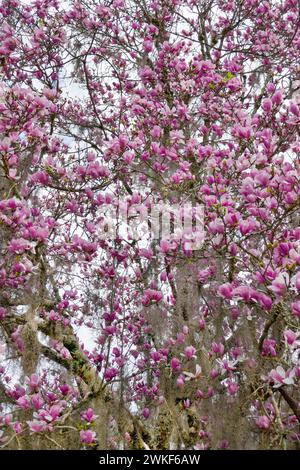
{"points": [[117, 338]]}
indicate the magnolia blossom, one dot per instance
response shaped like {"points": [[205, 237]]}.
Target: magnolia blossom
{"points": [[89, 415], [37, 426], [19, 245], [296, 308], [37, 401], [193, 376], [217, 348], [263, 422], [175, 364], [180, 381], [146, 413], [17, 427], [33, 381], [112, 112], [269, 347], [232, 388], [190, 352], [290, 337], [3, 312], [297, 281], [110, 373], [226, 291], [279, 285], [3, 438], [51, 414], [23, 402], [151, 295], [88, 436]]}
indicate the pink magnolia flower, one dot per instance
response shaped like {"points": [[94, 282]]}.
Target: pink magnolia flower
{"points": [[146, 253], [89, 415], [248, 226], [243, 293], [7, 419], [227, 366], [37, 401], [279, 285], [146, 413], [271, 87], [263, 422], [185, 330], [128, 157], [264, 300], [51, 414], [224, 444], [38, 233], [33, 381], [17, 392], [17, 427], [180, 338], [243, 132], [3, 313], [180, 381], [23, 402], [200, 394], [65, 353], [40, 177], [232, 388], [117, 352], [2, 437], [296, 308], [267, 105], [226, 291], [216, 227], [232, 218], [156, 356], [280, 377], [277, 98], [214, 373], [148, 45], [87, 436], [297, 281], [156, 132], [166, 246], [186, 404], [269, 348], [294, 109], [151, 296], [291, 338], [233, 249], [294, 255], [190, 352], [175, 364], [204, 274], [65, 389]]}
